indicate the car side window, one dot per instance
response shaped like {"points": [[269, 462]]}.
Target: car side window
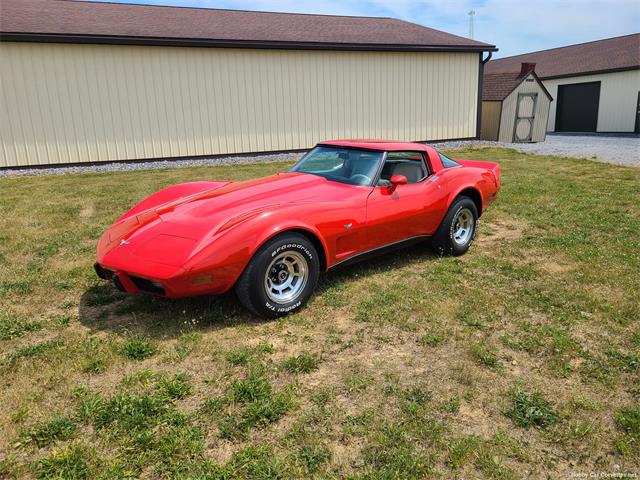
{"points": [[409, 164]]}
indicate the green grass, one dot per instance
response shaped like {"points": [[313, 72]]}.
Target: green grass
{"points": [[519, 359], [240, 356], [628, 422]]}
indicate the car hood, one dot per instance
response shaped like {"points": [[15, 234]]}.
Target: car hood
{"points": [[179, 227], [220, 205]]}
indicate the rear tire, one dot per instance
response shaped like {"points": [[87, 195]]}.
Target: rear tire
{"points": [[457, 231], [281, 276]]}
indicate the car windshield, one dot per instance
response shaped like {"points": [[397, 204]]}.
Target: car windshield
{"points": [[344, 165]]}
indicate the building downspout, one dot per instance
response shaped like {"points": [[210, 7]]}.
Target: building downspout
{"points": [[480, 81]]}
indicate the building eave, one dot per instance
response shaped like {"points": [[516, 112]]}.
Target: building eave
{"points": [[218, 43], [591, 72]]}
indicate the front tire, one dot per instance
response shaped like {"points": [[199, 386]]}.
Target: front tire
{"points": [[281, 276], [458, 228]]}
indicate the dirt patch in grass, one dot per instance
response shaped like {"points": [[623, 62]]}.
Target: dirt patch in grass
{"points": [[500, 230], [87, 211]]}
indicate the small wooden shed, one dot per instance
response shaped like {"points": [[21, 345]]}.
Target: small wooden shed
{"points": [[515, 106]]}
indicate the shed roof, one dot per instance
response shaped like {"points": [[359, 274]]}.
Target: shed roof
{"points": [[98, 22], [497, 86], [600, 56]]}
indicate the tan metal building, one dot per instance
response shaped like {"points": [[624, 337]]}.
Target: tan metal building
{"points": [[515, 107], [94, 82], [596, 85]]}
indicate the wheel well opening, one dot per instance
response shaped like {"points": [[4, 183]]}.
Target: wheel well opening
{"points": [[474, 195], [316, 243]]}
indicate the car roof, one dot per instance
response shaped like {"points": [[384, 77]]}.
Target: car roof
{"points": [[372, 144]]}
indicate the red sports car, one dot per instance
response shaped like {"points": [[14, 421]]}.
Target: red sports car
{"points": [[271, 237]]}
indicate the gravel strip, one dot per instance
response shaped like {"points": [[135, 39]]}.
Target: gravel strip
{"points": [[620, 150], [152, 165], [194, 162]]}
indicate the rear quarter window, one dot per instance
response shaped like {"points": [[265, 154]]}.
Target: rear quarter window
{"points": [[447, 162]]}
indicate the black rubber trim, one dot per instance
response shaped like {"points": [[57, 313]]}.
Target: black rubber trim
{"points": [[102, 273], [146, 286], [118, 284], [374, 252]]}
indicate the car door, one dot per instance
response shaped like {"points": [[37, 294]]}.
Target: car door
{"points": [[406, 211]]}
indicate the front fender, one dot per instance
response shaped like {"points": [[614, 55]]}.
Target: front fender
{"points": [[290, 225], [227, 252], [275, 219]]}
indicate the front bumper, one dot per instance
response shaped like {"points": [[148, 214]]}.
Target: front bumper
{"points": [[183, 285], [130, 283]]}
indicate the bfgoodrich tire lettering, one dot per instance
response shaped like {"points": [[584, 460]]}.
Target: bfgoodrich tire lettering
{"points": [[280, 277], [452, 238]]}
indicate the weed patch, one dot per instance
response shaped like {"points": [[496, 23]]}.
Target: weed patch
{"points": [[303, 363], [138, 349], [11, 326], [59, 428], [531, 410], [70, 462], [252, 403]]}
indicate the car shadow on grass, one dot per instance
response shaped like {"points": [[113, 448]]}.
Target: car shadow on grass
{"points": [[104, 308]]}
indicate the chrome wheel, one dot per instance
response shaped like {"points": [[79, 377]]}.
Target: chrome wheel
{"points": [[286, 277], [463, 225]]}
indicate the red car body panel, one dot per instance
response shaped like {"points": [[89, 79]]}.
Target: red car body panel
{"points": [[197, 238]]}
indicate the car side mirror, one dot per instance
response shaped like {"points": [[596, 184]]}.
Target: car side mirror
{"points": [[397, 180]]}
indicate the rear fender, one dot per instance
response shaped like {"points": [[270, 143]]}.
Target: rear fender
{"points": [[492, 167]]}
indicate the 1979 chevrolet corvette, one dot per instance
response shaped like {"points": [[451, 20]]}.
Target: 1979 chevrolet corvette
{"points": [[271, 237]]}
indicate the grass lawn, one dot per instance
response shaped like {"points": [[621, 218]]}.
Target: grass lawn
{"points": [[519, 359]]}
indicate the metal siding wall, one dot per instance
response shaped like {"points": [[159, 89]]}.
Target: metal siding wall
{"points": [[509, 112], [490, 122], [64, 103], [618, 99]]}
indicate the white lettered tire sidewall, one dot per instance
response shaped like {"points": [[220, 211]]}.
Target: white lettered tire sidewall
{"points": [[251, 285]]}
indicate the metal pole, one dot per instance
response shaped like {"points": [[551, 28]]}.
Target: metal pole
{"points": [[471, 14]]}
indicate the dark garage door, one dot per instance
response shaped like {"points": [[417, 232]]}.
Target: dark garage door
{"points": [[577, 109]]}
